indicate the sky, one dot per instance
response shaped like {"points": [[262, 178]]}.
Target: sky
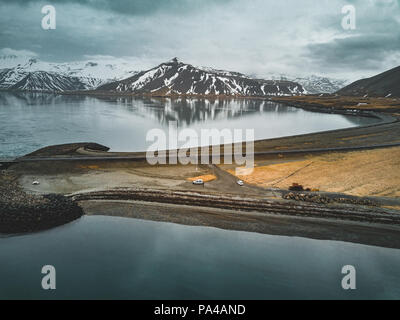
{"points": [[255, 37]]}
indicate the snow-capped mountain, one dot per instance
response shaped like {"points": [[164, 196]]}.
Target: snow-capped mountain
{"points": [[313, 84], [177, 78], [20, 79], [46, 81], [39, 77], [20, 73], [170, 78], [316, 84], [9, 77]]}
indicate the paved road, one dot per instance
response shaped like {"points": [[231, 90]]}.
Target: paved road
{"points": [[142, 157]]}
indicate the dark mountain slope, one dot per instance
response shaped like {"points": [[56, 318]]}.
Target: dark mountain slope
{"points": [[386, 84]]}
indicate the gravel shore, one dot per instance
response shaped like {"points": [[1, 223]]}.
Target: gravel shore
{"points": [[21, 212]]}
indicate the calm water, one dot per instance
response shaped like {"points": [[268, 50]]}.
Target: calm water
{"points": [[104, 257], [31, 121]]}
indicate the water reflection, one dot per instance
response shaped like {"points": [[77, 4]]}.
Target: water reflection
{"points": [[29, 121], [187, 111], [117, 258]]}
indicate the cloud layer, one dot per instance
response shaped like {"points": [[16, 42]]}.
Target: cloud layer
{"points": [[255, 37]]}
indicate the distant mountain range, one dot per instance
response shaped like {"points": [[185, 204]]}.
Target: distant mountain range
{"points": [[386, 84], [313, 84], [177, 78], [316, 84], [169, 78], [44, 81], [18, 73]]}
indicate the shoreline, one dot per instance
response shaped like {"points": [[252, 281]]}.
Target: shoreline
{"points": [[373, 234], [335, 210]]}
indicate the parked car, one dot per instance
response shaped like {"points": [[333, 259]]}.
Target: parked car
{"points": [[198, 182], [240, 183]]}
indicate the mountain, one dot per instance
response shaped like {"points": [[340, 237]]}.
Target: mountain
{"points": [[177, 78], [316, 84], [20, 73], [313, 84], [9, 77], [103, 68], [20, 79], [34, 76], [45, 81], [385, 84]]}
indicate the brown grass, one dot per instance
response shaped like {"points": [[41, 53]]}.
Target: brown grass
{"points": [[363, 173]]}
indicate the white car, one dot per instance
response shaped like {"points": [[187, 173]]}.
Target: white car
{"points": [[198, 182], [240, 183]]}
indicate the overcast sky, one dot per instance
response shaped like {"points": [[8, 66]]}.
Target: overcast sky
{"points": [[250, 36]]}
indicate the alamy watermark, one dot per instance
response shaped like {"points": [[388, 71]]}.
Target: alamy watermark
{"points": [[49, 20], [349, 20], [49, 280], [349, 280], [188, 147]]}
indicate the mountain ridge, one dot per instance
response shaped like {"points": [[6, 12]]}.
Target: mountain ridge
{"points": [[30, 73], [177, 78], [385, 84]]}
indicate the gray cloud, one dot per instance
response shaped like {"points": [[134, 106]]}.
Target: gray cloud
{"points": [[132, 7], [370, 47], [255, 37]]}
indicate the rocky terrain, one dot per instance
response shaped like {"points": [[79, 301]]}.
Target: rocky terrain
{"points": [[304, 208], [318, 198], [21, 212]]}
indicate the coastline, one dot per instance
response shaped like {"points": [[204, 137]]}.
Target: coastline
{"points": [[22, 212], [364, 224]]}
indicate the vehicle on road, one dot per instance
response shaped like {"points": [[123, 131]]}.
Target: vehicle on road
{"points": [[240, 183], [198, 182]]}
